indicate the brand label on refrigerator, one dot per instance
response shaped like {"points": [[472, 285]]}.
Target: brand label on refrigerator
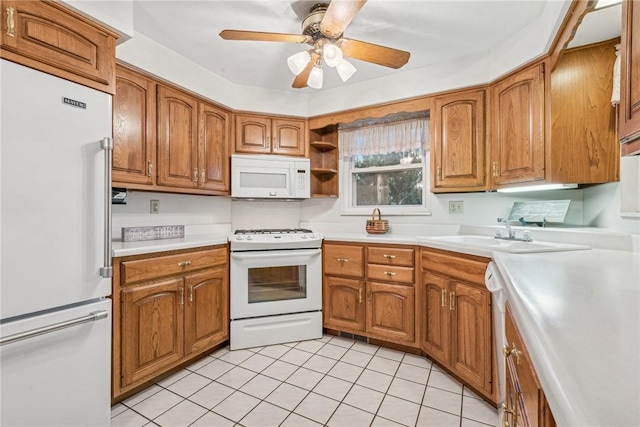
{"points": [[74, 103]]}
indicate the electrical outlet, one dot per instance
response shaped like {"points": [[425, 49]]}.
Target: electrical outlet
{"points": [[155, 207], [456, 207]]}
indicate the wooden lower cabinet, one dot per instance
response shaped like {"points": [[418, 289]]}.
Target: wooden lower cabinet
{"points": [[342, 301], [525, 402], [374, 299], [391, 311], [164, 320], [456, 318]]}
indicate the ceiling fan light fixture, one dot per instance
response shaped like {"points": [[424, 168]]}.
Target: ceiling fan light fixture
{"points": [[298, 61], [331, 54], [316, 77], [345, 70]]}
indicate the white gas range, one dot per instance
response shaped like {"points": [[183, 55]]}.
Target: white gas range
{"points": [[275, 286]]}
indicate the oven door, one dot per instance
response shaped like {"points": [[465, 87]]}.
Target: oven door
{"points": [[265, 283]]}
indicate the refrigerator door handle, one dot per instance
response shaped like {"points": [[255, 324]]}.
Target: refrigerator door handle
{"points": [[93, 316], [107, 145]]}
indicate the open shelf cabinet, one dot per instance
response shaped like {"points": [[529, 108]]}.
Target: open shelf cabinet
{"points": [[323, 154]]}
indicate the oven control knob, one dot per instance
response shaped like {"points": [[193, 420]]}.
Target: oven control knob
{"points": [[312, 236], [249, 237], [304, 236], [238, 237]]}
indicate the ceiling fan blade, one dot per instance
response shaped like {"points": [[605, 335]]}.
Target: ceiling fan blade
{"points": [[264, 37], [301, 79], [339, 15], [374, 53]]}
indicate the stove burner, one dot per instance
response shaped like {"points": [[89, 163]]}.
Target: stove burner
{"points": [[274, 231]]}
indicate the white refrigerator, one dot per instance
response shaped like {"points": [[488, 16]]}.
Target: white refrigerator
{"points": [[55, 310]]}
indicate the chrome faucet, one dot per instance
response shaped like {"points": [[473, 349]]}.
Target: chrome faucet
{"points": [[510, 233]]}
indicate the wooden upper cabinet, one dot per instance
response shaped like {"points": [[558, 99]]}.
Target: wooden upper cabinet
{"points": [[517, 131], [459, 150], [134, 128], [253, 134], [629, 125], [47, 36], [289, 137], [266, 135], [213, 140], [177, 139], [584, 146]]}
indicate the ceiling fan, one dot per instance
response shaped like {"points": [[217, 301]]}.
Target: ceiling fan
{"points": [[323, 29]]}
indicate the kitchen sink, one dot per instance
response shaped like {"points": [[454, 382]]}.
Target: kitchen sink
{"points": [[492, 244]]}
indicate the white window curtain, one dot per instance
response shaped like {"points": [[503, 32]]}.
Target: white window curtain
{"points": [[384, 136]]}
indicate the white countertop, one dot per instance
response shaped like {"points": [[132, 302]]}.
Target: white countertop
{"points": [[120, 248], [579, 314]]}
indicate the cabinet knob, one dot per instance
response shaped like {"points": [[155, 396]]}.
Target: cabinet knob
{"points": [[342, 260], [184, 264], [390, 273], [387, 256]]}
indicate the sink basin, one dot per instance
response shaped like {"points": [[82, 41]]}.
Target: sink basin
{"points": [[488, 244]]}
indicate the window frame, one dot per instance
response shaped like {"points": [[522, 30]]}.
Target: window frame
{"points": [[347, 185]]}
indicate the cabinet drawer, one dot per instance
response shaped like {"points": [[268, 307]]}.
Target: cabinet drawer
{"points": [[145, 269], [390, 273], [391, 256], [465, 267], [344, 260]]}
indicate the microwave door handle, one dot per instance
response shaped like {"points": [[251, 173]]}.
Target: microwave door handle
{"points": [[275, 254], [293, 175]]}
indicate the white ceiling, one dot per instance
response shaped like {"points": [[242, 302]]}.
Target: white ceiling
{"points": [[433, 31]]}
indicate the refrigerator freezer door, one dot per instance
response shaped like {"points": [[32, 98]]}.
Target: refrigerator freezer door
{"points": [[52, 191], [60, 378]]}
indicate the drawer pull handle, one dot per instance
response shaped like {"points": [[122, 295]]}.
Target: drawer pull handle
{"points": [[11, 25], [452, 301], [444, 297], [387, 256], [184, 264], [342, 260], [390, 273]]}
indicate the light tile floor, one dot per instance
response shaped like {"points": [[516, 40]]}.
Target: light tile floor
{"points": [[332, 381]]}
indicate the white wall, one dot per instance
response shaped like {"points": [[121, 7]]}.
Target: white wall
{"points": [[117, 15]]}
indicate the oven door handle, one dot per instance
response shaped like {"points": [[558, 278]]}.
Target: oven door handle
{"points": [[274, 254]]}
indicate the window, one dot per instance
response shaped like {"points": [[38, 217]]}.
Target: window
{"points": [[384, 164]]}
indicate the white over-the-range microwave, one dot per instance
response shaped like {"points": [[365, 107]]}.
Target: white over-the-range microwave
{"points": [[269, 177]]}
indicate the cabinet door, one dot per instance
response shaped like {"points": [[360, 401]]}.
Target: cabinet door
{"points": [[459, 151], [152, 329], [343, 304], [134, 128], [518, 127], [253, 134], [391, 311], [177, 139], [436, 317], [206, 315], [630, 80], [51, 38], [213, 142], [471, 334], [289, 137]]}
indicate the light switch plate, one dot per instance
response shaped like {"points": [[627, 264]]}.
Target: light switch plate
{"points": [[456, 207]]}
